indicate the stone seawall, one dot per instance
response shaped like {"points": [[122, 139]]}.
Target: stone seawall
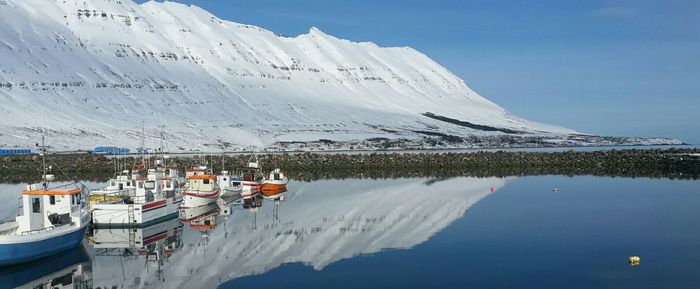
{"points": [[667, 163]]}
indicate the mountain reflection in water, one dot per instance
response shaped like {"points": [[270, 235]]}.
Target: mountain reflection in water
{"points": [[313, 223]]}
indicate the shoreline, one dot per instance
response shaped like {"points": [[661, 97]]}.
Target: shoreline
{"points": [[682, 163]]}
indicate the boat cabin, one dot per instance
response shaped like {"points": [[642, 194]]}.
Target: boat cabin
{"points": [[206, 183], [155, 183], [120, 183], [137, 190], [251, 175], [197, 171], [227, 180], [276, 175], [43, 209]]}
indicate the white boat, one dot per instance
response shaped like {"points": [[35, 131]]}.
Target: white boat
{"points": [[52, 220], [155, 198], [251, 176], [201, 189], [230, 185]]}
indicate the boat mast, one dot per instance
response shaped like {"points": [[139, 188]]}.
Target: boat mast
{"points": [[223, 162], [161, 155], [43, 160], [43, 150]]}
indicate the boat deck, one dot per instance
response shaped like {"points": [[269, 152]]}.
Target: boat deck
{"points": [[8, 228]]}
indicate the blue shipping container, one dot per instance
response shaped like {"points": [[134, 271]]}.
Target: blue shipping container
{"points": [[11, 152], [111, 150]]}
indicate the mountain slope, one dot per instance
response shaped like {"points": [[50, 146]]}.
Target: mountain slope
{"points": [[91, 72]]}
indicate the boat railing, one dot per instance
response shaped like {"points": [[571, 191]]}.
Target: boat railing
{"points": [[117, 198]]}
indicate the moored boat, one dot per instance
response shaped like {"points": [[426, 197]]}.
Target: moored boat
{"points": [[201, 190], [251, 176], [230, 185], [52, 220], [275, 180], [155, 198]]}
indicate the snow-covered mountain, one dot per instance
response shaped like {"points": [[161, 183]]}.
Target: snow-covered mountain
{"points": [[93, 72]]}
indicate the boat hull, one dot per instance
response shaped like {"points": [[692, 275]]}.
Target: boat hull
{"points": [[272, 190], [16, 252], [117, 215], [249, 186], [198, 199]]}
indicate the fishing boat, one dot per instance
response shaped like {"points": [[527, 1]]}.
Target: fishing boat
{"points": [[230, 185], [251, 176], [201, 189], [154, 198], [276, 179], [52, 220]]}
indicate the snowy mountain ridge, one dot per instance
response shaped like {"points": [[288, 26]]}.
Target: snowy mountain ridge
{"points": [[92, 73]]}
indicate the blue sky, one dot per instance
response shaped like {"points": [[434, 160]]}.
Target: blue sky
{"points": [[629, 68]]}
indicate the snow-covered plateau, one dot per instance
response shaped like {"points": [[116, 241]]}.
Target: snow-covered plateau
{"points": [[96, 72]]}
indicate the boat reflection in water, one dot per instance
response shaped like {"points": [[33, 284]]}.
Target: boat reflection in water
{"points": [[206, 218], [72, 269], [132, 250]]}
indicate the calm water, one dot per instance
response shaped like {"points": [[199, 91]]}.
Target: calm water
{"points": [[406, 233]]}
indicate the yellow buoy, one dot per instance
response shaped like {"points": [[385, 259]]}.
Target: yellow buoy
{"points": [[634, 260]]}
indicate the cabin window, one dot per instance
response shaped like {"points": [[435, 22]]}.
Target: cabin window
{"points": [[36, 205], [140, 185], [167, 184], [277, 176], [205, 181], [52, 200], [113, 184], [150, 185]]}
